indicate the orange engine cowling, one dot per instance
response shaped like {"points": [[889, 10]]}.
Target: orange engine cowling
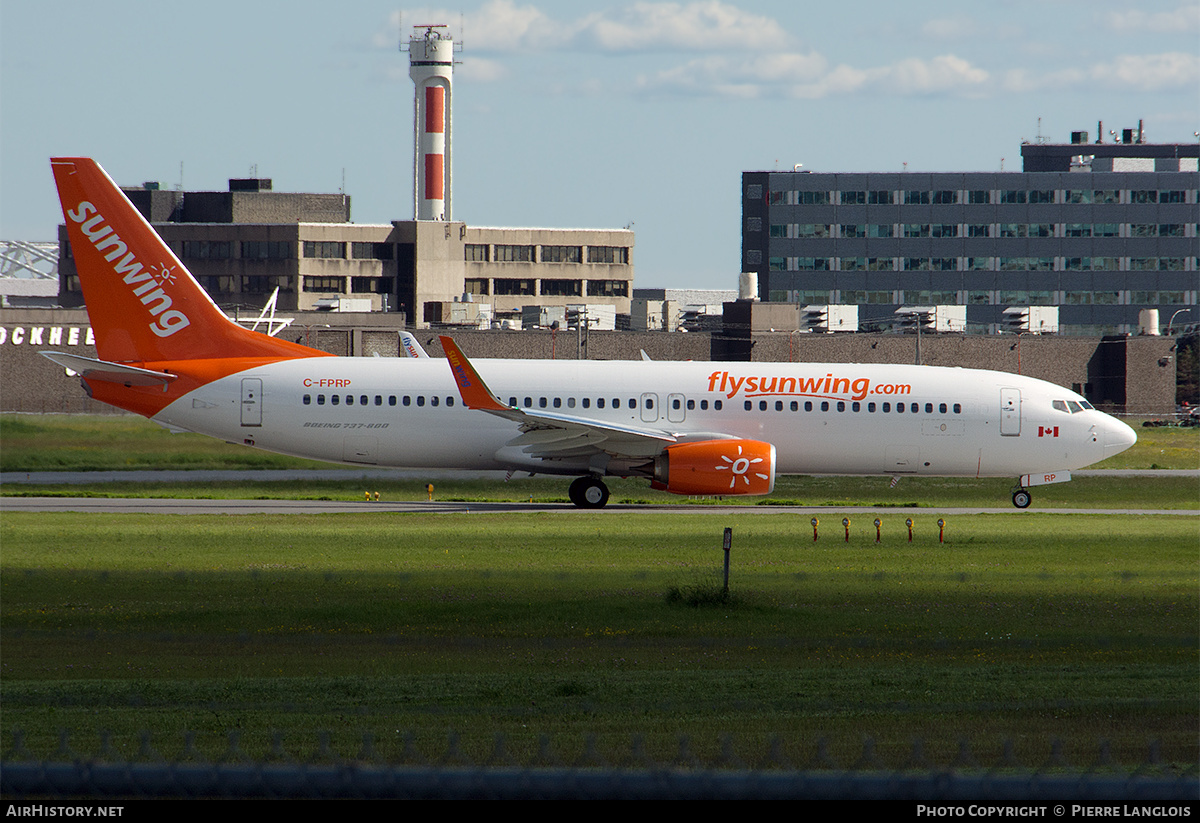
{"points": [[712, 467]]}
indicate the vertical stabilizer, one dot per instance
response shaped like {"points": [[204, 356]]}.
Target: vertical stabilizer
{"points": [[144, 305]]}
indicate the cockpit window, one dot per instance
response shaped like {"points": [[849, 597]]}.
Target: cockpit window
{"points": [[1086, 404], [1075, 406], [1060, 405]]}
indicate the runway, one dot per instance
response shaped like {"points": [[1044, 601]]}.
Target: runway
{"points": [[147, 505]]}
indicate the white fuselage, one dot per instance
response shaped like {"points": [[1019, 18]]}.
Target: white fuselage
{"points": [[821, 418]]}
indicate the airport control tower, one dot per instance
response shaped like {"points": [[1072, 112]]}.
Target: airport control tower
{"points": [[431, 66]]}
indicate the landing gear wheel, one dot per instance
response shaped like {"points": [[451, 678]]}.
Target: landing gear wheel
{"points": [[588, 493], [1022, 498]]}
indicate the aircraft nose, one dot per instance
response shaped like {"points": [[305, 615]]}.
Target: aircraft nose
{"points": [[1117, 437]]}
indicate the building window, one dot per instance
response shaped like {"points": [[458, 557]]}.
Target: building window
{"points": [[979, 197], [949, 198], [506, 286], [562, 288], [268, 250], [1014, 197], [1041, 197], [567, 254], [325, 284], [372, 251], [324, 249], [880, 198], [608, 288], [208, 250], [475, 252], [476, 285], [259, 284], [514, 254], [916, 198], [854, 198], [608, 254], [371, 285]]}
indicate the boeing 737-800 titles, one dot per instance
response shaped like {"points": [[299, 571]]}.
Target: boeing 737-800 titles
{"points": [[167, 352]]}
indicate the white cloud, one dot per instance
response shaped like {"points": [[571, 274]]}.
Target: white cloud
{"points": [[506, 26], [1151, 72], [707, 24], [809, 76], [1183, 20], [1142, 72]]}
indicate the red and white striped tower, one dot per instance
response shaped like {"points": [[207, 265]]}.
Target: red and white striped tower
{"points": [[431, 67]]}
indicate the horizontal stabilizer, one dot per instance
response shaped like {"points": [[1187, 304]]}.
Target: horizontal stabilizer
{"points": [[91, 369]]}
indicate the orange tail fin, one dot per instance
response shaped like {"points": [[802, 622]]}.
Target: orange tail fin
{"points": [[144, 305]]}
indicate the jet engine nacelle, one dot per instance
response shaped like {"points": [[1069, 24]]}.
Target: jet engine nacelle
{"points": [[715, 467]]}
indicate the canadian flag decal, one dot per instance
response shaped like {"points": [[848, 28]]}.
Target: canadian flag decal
{"points": [[1047, 431]]}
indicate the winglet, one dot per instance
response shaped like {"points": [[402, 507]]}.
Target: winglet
{"points": [[475, 393]]}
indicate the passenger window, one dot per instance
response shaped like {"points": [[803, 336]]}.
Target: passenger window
{"points": [[762, 405], [632, 403], [587, 402], [855, 406], [899, 408], [929, 408], [391, 399], [308, 399], [349, 400], [541, 402], [558, 402], [362, 400], [600, 402], [691, 404], [529, 402], [420, 400], [824, 405], [717, 404], [703, 405], [870, 408], [512, 402], [958, 408], [378, 400], [320, 400], [749, 405], [841, 406], [570, 402], [942, 408], [808, 405], [407, 400], [794, 406], [915, 408], [334, 399]]}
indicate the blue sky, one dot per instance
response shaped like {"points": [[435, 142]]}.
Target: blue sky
{"points": [[576, 114]]}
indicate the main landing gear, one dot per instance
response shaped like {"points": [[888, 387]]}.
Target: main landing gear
{"points": [[1022, 498], [588, 493]]}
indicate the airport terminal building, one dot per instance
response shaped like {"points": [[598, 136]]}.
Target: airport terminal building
{"points": [[1102, 231]]}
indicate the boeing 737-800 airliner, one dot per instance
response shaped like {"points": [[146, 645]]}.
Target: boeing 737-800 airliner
{"points": [[167, 352]]}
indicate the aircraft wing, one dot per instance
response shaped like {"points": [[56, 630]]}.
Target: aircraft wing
{"points": [[550, 435]]}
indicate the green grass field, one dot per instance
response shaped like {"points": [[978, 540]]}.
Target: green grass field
{"points": [[1082, 628]]}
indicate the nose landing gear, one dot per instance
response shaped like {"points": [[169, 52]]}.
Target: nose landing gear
{"points": [[1021, 498]]}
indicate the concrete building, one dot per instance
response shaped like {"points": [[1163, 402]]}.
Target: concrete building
{"points": [[244, 243], [1103, 231]]}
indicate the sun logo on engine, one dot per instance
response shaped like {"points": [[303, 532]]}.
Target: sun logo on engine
{"points": [[740, 467]]}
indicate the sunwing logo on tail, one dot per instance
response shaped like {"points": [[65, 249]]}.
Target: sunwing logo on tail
{"points": [[147, 285]]}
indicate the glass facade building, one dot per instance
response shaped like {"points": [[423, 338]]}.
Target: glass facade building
{"points": [[1100, 235]]}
